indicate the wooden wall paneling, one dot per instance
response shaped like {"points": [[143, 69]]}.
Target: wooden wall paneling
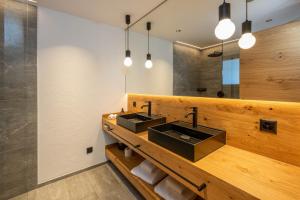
{"points": [[240, 119], [271, 69]]}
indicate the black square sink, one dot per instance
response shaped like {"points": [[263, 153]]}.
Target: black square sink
{"points": [[139, 122], [186, 141]]}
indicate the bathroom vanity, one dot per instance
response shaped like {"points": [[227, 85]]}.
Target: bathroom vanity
{"points": [[226, 173]]}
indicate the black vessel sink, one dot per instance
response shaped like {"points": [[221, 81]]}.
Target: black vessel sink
{"points": [[184, 140], [139, 122]]}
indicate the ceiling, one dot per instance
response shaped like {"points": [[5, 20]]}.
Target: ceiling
{"points": [[196, 18], [106, 11]]}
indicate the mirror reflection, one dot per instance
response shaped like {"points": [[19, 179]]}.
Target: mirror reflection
{"points": [[191, 57]]}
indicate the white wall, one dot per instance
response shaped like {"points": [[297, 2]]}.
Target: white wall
{"points": [[80, 77], [158, 80]]}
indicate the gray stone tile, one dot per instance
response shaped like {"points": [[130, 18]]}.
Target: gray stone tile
{"points": [[16, 173], [18, 161], [18, 98], [18, 125]]}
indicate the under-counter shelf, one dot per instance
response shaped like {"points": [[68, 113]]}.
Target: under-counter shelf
{"points": [[125, 165]]}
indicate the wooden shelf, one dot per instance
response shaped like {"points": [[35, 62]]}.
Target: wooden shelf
{"points": [[125, 165]]}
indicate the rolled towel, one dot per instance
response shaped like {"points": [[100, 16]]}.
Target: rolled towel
{"points": [[171, 193], [151, 178], [148, 167]]}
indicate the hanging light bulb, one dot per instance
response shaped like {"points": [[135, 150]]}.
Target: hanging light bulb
{"points": [[148, 63], [247, 40], [225, 28], [127, 61]]}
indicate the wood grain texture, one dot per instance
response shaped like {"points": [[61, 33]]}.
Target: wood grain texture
{"points": [[166, 160], [240, 119], [271, 69], [229, 172]]}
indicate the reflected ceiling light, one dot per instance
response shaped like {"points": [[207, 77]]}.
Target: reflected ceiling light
{"points": [[247, 40], [127, 60], [189, 45], [225, 28], [148, 63]]}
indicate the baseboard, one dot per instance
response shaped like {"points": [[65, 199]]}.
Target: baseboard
{"points": [[68, 175]]}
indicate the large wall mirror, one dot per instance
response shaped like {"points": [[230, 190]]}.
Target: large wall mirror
{"points": [[189, 60]]}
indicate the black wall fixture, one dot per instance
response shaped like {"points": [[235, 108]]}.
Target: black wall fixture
{"points": [[215, 54]]}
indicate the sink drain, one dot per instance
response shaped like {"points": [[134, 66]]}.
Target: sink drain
{"points": [[185, 137]]}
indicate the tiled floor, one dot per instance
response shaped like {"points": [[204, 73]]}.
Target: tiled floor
{"points": [[101, 183]]}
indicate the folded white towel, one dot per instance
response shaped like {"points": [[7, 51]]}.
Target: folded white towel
{"points": [[167, 190], [151, 178], [112, 116], [148, 167], [174, 185]]}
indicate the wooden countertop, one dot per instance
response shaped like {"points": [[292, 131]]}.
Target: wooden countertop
{"points": [[262, 177]]}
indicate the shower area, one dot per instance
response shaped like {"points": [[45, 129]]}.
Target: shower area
{"points": [[18, 97], [208, 72]]}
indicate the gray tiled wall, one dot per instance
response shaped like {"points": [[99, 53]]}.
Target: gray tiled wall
{"points": [[18, 98], [193, 69]]}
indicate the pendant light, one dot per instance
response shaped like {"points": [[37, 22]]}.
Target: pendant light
{"points": [[148, 63], [247, 40], [225, 28], [127, 60]]}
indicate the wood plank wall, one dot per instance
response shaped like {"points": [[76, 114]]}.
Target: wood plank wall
{"points": [[240, 118], [271, 69]]}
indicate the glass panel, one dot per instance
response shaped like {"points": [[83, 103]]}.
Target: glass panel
{"points": [[231, 72]]}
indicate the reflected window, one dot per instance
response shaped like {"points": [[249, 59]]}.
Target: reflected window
{"points": [[231, 72]]}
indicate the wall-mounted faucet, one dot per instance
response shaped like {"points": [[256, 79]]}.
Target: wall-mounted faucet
{"points": [[195, 116], [149, 106]]}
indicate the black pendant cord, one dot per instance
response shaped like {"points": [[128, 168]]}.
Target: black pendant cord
{"points": [[148, 27], [222, 65], [148, 42], [127, 37], [246, 10]]}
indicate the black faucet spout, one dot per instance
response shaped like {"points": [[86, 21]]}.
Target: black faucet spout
{"points": [[149, 106], [195, 116], [187, 115]]}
